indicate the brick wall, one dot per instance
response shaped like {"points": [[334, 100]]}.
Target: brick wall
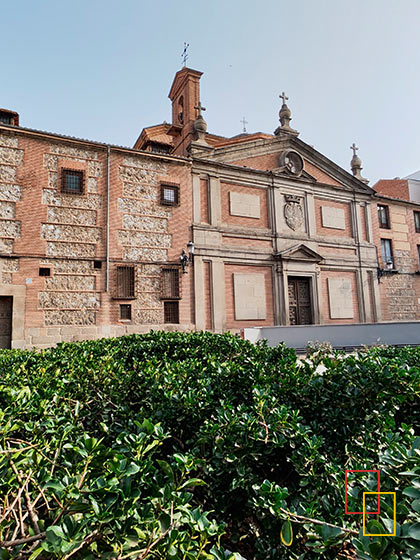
{"points": [[332, 232], [227, 218], [41, 226]]}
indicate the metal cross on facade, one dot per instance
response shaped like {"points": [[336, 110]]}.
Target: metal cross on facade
{"points": [[244, 123], [354, 148], [283, 96], [185, 54], [200, 108]]}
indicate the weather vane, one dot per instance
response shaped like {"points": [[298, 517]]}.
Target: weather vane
{"points": [[185, 54]]}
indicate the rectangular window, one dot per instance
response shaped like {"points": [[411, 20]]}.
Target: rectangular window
{"points": [[383, 216], [43, 271], [97, 264], [125, 282], [417, 221], [5, 118], [171, 311], [170, 288], [387, 258], [72, 181], [125, 312], [169, 194], [418, 254]]}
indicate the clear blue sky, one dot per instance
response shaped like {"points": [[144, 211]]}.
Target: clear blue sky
{"points": [[102, 70]]}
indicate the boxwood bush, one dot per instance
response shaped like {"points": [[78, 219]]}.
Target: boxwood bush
{"points": [[190, 446]]}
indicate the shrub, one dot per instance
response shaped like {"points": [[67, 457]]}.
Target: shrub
{"points": [[191, 445]]}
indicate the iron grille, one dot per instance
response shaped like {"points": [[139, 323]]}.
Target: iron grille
{"points": [[169, 194], [125, 282], [171, 311], [170, 288], [125, 312], [72, 181]]}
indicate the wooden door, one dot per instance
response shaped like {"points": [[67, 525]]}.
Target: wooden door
{"points": [[300, 305], [5, 321]]}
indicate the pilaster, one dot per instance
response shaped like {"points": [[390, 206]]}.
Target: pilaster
{"points": [[218, 290], [215, 201]]}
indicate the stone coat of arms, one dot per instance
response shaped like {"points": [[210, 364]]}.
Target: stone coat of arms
{"points": [[293, 212]]}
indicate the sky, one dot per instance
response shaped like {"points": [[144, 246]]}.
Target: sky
{"points": [[102, 70]]}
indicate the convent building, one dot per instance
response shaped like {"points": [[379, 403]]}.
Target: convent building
{"points": [[194, 231]]}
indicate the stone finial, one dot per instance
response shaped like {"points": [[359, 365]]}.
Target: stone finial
{"points": [[285, 116], [356, 165], [200, 125]]}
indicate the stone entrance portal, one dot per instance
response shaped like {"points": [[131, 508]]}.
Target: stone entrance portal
{"points": [[6, 303], [300, 304]]}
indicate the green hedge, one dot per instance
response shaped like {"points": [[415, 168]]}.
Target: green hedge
{"points": [[190, 446]]}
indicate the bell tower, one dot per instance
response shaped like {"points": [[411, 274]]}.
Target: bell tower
{"points": [[185, 97]]}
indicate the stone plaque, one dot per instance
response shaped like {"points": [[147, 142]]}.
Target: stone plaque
{"points": [[333, 217], [340, 295], [247, 205], [249, 296]]}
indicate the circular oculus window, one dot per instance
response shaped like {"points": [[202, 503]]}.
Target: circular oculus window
{"points": [[292, 161]]}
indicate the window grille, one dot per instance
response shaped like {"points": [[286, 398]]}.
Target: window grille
{"points": [[125, 282], [169, 195], [5, 118], [125, 312], [170, 285], [383, 216], [72, 181], [417, 221], [171, 311]]}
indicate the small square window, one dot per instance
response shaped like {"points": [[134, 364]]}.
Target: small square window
{"points": [[171, 311], [72, 181], [125, 312], [417, 221], [97, 264], [383, 216], [43, 271], [169, 195]]}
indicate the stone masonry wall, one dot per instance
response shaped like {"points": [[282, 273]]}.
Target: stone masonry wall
{"points": [[11, 159]]}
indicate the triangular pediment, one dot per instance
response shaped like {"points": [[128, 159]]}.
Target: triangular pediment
{"points": [[299, 253]]}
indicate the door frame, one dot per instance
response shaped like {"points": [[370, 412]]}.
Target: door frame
{"points": [[296, 277], [18, 294]]}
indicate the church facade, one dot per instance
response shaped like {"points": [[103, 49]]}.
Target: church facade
{"points": [[190, 230]]}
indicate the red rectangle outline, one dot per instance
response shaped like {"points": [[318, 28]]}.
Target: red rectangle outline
{"points": [[345, 492]]}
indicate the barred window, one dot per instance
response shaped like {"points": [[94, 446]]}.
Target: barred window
{"points": [[72, 181], [171, 311], [169, 194], [125, 312], [170, 288], [125, 282]]}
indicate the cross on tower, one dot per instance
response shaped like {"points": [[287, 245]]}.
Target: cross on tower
{"points": [[244, 123], [283, 96], [200, 108], [184, 54], [354, 148]]}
